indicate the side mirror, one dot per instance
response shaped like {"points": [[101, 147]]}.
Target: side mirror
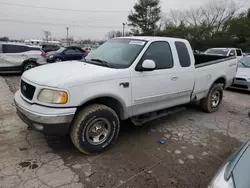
{"points": [[231, 54], [148, 65]]}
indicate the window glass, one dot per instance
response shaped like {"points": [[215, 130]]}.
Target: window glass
{"points": [[183, 54], [9, 48], [239, 53], [232, 52], [245, 62], [119, 53], [215, 51], [160, 53], [71, 51]]}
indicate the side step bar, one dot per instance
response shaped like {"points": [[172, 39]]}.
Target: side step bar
{"points": [[141, 119]]}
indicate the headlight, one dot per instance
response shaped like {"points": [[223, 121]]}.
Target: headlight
{"points": [[53, 96], [51, 56], [219, 180]]}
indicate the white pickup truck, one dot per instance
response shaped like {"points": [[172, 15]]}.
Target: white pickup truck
{"points": [[125, 78]]}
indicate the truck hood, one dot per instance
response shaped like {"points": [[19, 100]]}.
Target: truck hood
{"points": [[70, 73], [243, 72]]}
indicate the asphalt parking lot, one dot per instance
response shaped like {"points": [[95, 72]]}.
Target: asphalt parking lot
{"points": [[196, 144]]}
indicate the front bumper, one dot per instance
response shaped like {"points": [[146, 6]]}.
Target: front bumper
{"points": [[241, 83], [51, 121]]}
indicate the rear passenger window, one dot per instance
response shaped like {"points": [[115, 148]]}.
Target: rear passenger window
{"points": [[8, 48], [239, 53], [183, 54], [160, 53]]}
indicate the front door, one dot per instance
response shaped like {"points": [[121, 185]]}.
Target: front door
{"points": [[155, 90]]}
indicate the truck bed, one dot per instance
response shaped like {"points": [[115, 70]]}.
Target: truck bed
{"points": [[202, 60], [209, 68]]}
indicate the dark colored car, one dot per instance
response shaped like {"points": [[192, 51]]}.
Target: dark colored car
{"points": [[66, 54], [235, 171], [50, 47]]}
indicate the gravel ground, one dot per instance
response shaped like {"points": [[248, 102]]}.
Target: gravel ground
{"points": [[196, 144]]}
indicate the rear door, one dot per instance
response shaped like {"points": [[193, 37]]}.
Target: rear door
{"points": [[185, 74], [73, 54]]}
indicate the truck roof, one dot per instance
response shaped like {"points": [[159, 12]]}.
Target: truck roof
{"points": [[152, 38]]}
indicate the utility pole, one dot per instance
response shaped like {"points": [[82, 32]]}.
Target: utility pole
{"points": [[123, 29], [47, 34], [67, 35]]}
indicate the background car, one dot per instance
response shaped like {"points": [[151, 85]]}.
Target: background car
{"points": [[50, 47], [242, 79], [17, 57], [235, 171], [63, 54], [225, 52]]}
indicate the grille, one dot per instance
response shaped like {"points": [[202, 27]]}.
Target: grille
{"points": [[27, 90], [243, 79]]}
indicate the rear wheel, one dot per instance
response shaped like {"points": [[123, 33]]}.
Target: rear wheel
{"points": [[29, 65], [95, 129], [213, 100]]}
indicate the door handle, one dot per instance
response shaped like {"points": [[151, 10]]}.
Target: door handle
{"points": [[174, 78]]}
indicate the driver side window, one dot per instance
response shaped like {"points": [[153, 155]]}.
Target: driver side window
{"points": [[160, 52]]}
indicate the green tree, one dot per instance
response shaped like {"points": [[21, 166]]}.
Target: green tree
{"points": [[144, 18], [4, 39]]}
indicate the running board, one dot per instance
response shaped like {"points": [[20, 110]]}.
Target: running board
{"points": [[141, 119]]}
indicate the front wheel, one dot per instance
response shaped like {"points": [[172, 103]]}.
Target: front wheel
{"points": [[213, 100], [95, 129], [58, 59]]}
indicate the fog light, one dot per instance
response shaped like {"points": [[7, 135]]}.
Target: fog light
{"points": [[38, 127]]}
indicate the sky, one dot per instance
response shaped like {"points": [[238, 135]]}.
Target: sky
{"points": [[86, 19]]}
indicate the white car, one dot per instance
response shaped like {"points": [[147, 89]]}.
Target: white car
{"points": [[242, 79], [16, 57], [122, 79], [225, 52]]}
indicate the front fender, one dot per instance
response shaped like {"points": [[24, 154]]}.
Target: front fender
{"points": [[126, 112]]}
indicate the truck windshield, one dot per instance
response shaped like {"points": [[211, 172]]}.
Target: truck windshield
{"points": [[222, 52], [245, 62], [118, 53]]}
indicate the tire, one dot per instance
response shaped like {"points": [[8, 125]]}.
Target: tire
{"points": [[85, 129], [213, 100], [29, 65], [58, 59]]}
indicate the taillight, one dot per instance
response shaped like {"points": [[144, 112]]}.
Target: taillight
{"points": [[43, 54]]}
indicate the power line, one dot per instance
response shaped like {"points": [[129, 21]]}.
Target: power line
{"points": [[57, 24], [50, 18], [63, 9]]}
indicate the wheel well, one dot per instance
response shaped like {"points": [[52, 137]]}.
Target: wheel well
{"points": [[108, 101], [222, 81]]}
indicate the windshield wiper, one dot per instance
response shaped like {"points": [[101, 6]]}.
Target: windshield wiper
{"points": [[243, 64], [101, 61]]}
